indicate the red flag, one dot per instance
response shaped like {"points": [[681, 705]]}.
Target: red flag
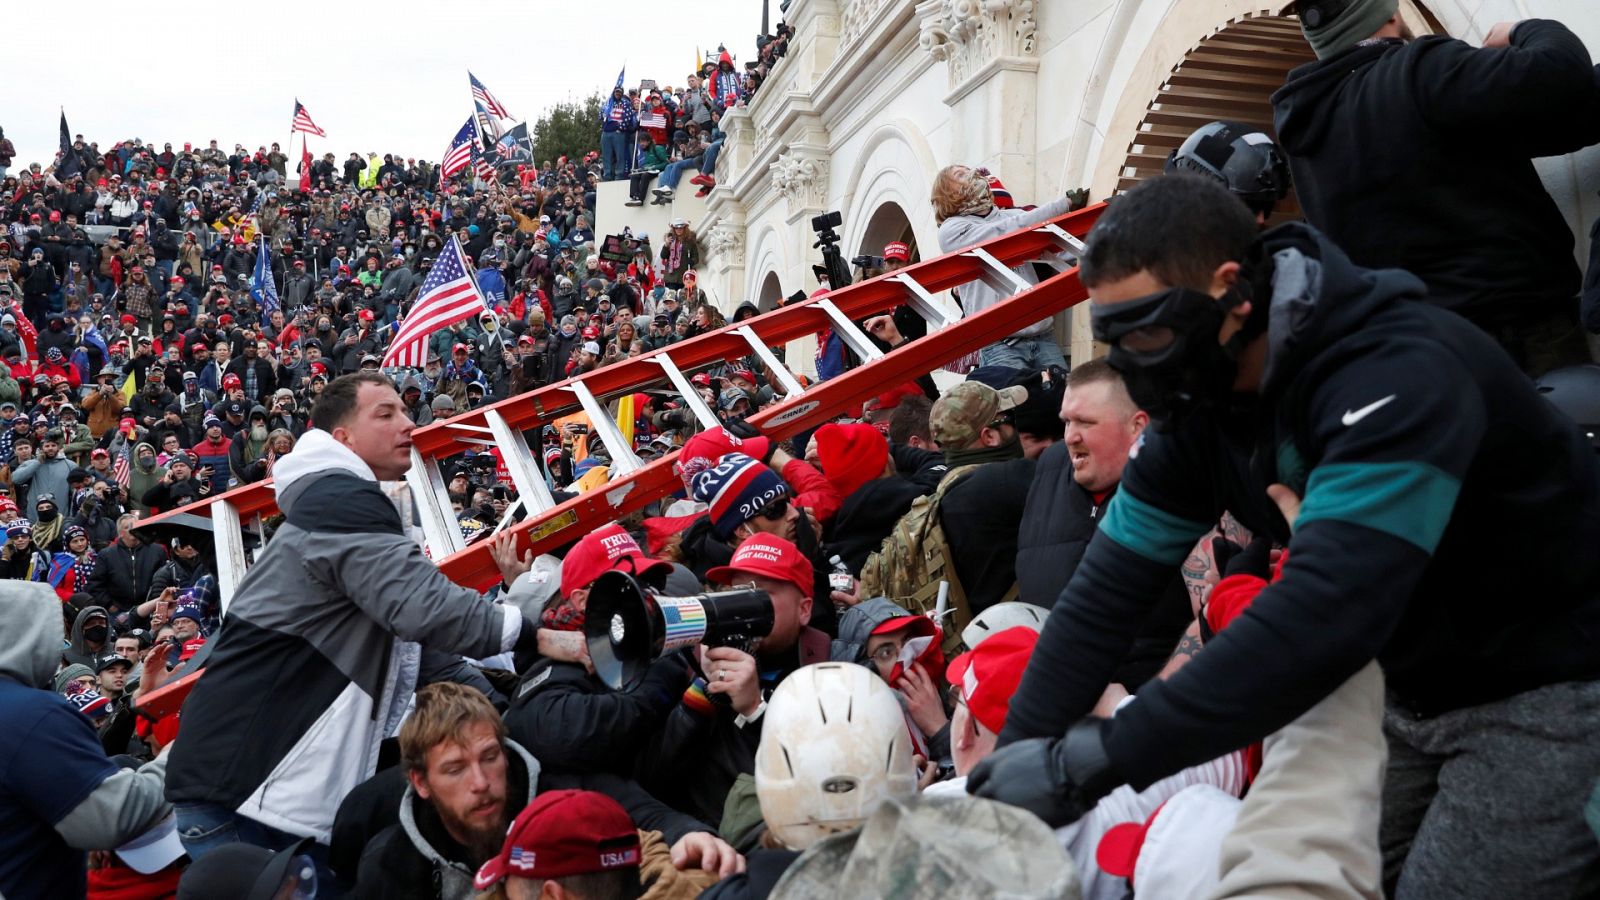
{"points": [[28, 332], [305, 168]]}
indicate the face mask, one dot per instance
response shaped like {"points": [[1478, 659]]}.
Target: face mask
{"points": [[48, 514], [491, 326], [1165, 345], [96, 633], [146, 460]]}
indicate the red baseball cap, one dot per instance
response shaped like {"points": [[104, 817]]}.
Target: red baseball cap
{"points": [[459, 348], [743, 373], [989, 674], [929, 652], [769, 556], [365, 315], [600, 551], [564, 833], [897, 250], [190, 648]]}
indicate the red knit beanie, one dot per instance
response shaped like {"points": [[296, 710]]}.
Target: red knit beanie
{"points": [[851, 455]]}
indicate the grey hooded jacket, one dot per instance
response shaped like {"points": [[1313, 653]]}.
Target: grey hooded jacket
{"points": [[319, 653]]}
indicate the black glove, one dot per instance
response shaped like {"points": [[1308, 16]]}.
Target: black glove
{"points": [[1231, 559], [1057, 780], [1252, 559]]}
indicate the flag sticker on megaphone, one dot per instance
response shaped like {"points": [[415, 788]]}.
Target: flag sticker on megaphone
{"points": [[685, 619]]}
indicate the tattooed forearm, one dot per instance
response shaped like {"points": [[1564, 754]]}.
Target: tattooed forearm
{"points": [[1188, 646], [1199, 572]]}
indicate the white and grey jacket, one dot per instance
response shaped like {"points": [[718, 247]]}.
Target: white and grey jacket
{"points": [[319, 653]]}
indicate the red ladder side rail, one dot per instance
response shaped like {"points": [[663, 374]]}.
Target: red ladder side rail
{"points": [[473, 567], [534, 409]]}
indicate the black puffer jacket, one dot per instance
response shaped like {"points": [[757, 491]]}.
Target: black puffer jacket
{"points": [[1059, 519]]}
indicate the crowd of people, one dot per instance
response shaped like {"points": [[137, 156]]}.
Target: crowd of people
{"points": [[654, 132], [1222, 614]]}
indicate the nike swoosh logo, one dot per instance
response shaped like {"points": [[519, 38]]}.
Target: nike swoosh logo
{"points": [[1353, 416]]}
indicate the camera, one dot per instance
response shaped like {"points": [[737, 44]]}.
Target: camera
{"points": [[824, 224], [629, 626], [867, 262]]}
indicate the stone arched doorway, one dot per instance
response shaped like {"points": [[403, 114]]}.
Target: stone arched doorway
{"points": [[1230, 75], [771, 293], [889, 222]]}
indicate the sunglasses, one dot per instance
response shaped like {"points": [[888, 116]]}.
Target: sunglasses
{"points": [[775, 510]]}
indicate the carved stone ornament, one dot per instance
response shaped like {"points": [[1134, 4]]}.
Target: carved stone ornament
{"points": [[857, 17], [972, 33], [802, 180], [725, 245]]}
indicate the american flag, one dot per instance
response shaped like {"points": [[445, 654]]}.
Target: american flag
{"points": [[489, 130], [653, 119], [482, 165], [482, 95], [302, 122], [459, 156], [448, 295], [122, 467]]}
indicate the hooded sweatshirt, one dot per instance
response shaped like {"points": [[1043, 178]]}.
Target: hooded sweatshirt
{"points": [[1419, 450], [341, 599], [142, 478], [1446, 188], [58, 792], [77, 650]]}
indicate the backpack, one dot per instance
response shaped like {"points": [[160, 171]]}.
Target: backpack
{"points": [[916, 557]]}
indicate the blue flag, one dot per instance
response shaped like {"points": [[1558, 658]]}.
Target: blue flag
{"points": [[262, 287], [620, 73]]}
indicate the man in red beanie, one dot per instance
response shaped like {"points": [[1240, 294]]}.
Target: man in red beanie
{"points": [[878, 482], [577, 844]]}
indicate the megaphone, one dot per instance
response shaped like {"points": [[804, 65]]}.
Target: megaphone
{"points": [[629, 626]]}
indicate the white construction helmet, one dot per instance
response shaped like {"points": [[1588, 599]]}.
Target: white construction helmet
{"points": [[834, 745], [1001, 616]]}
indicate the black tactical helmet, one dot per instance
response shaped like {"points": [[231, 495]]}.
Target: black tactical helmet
{"points": [[1243, 158], [1575, 390]]}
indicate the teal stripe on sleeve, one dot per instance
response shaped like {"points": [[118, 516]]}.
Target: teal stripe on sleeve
{"points": [[1152, 533], [1411, 501]]}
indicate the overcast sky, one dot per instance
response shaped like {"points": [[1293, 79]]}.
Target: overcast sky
{"points": [[390, 78]]}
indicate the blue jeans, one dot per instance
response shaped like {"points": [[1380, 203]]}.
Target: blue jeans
{"points": [[613, 155], [708, 165], [673, 173], [203, 827], [1027, 353]]}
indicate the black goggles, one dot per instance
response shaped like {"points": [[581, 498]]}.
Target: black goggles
{"points": [[1151, 329]]}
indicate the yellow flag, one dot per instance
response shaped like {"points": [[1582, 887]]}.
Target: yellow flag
{"points": [[625, 415], [128, 388]]}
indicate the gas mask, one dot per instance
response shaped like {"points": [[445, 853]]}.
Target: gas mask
{"points": [[1165, 345]]}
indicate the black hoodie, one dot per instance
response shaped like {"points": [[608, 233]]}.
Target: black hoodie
{"points": [[1447, 530], [1418, 155]]}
